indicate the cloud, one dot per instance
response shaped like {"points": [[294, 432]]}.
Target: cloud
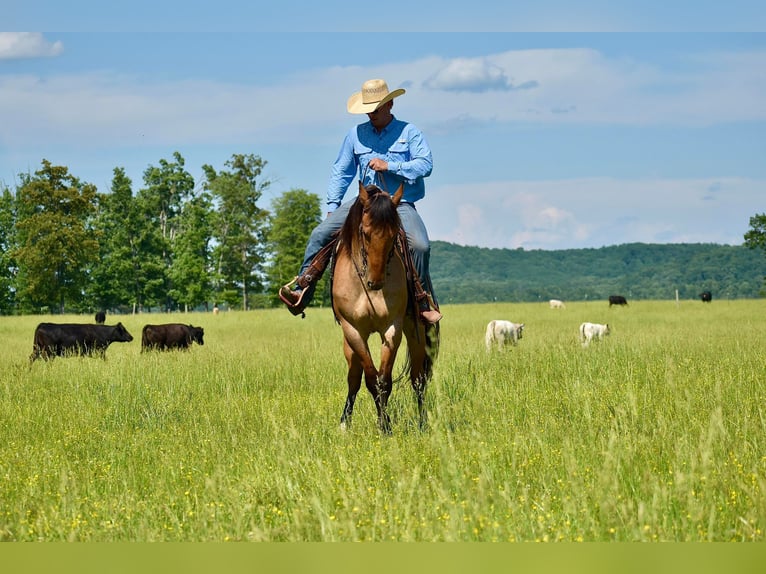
{"points": [[499, 90], [473, 75], [589, 212], [587, 86], [22, 45]]}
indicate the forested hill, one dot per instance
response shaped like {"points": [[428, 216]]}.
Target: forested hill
{"points": [[636, 270]]}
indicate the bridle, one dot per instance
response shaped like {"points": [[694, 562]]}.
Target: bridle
{"points": [[362, 271]]}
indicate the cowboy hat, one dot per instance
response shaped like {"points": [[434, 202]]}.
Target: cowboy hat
{"points": [[373, 95]]}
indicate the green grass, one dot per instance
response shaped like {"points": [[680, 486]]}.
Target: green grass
{"points": [[656, 433]]}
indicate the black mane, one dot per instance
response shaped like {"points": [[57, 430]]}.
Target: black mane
{"points": [[381, 211]]}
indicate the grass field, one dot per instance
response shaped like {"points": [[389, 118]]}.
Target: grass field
{"points": [[657, 433]]}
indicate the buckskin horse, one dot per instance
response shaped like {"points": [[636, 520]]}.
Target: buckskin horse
{"points": [[371, 294]]}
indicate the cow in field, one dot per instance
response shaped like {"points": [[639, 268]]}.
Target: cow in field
{"points": [[101, 317], [63, 339], [170, 336], [617, 300], [502, 332], [706, 296], [592, 332], [557, 304]]}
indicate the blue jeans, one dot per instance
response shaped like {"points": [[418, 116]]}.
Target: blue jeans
{"points": [[417, 238]]}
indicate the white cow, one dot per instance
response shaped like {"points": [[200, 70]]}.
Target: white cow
{"points": [[502, 332], [592, 332], [557, 304]]}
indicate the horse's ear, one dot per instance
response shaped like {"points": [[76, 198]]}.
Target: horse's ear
{"points": [[363, 195], [398, 195]]}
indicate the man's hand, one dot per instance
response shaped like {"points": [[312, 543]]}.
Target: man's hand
{"points": [[378, 164]]}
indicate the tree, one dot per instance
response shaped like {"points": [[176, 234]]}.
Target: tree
{"points": [[123, 268], [238, 227], [755, 238], [7, 242], [295, 214], [56, 243], [167, 187], [191, 254]]}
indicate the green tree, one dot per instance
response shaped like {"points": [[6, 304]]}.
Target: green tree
{"points": [[56, 243], [295, 214], [123, 267], [755, 238], [166, 188], [190, 275], [7, 242], [238, 228]]}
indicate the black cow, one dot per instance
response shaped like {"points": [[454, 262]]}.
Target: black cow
{"points": [[63, 339], [170, 336], [706, 296], [617, 300], [101, 317]]}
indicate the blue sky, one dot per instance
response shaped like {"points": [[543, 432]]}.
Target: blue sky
{"points": [[553, 140]]}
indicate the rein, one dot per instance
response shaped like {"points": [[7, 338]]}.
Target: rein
{"points": [[363, 252], [362, 271]]}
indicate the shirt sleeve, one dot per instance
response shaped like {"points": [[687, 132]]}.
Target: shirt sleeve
{"points": [[342, 174], [420, 162]]}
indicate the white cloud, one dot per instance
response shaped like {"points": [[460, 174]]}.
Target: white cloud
{"points": [[591, 212], [19, 45], [471, 75], [585, 86], [570, 86]]}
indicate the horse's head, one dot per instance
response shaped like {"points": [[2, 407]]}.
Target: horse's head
{"points": [[378, 228]]}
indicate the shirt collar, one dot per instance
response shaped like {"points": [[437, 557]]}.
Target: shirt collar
{"points": [[385, 129]]}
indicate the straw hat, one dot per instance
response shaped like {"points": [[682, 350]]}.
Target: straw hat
{"points": [[373, 95]]}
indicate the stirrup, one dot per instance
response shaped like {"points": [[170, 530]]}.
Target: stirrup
{"points": [[429, 313], [430, 316], [296, 308]]}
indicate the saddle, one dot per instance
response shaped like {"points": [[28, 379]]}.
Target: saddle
{"points": [[422, 305]]}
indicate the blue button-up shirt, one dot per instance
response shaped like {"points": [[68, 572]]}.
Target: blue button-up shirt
{"points": [[400, 143]]}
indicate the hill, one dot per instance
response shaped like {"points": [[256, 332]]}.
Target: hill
{"points": [[464, 274]]}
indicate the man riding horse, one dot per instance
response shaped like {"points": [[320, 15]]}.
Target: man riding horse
{"points": [[387, 152]]}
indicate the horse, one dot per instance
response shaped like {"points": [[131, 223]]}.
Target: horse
{"points": [[370, 294]]}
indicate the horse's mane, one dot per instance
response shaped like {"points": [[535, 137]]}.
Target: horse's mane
{"points": [[382, 212]]}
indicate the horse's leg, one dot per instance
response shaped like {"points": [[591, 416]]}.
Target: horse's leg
{"points": [[381, 384], [419, 373], [354, 380], [380, 389]]}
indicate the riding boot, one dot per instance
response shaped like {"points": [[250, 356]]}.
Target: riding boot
{"points": [[427, 307], [298, 299], [423, 300]]}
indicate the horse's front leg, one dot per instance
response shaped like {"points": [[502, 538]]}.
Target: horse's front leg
{"points": [[354, 380], [380, 386]]}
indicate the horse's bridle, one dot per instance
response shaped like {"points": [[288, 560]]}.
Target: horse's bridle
{"points": [[363, 250], [362, 245]]}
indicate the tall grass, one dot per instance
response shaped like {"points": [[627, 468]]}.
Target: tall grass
{"points": [[656, 433]]}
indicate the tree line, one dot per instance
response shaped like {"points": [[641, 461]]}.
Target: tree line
{"points": [[180, 244], [174, 244], [636, 270]]}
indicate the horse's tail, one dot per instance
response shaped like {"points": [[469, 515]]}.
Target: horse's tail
{"points": [[433, 341]]}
